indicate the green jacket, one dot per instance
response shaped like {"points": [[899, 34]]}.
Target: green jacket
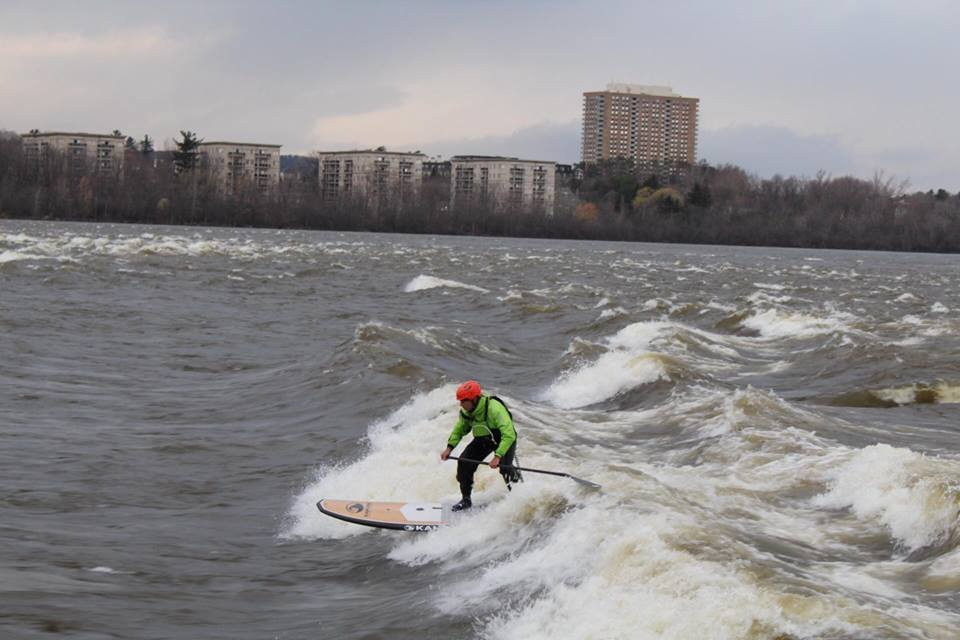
{"points": [[485, 416]]}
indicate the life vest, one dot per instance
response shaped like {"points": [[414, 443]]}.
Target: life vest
{"points": [[472, 420]]}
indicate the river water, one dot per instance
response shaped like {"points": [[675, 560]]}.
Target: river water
{"points": [[775, 432]]}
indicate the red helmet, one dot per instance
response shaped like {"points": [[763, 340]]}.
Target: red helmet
{"points": [[469, 390]]}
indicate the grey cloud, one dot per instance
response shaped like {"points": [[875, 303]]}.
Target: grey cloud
{"points": [[876, 73], [287, 121], [356, 99], [925, 168], [544, 141], [768, 150]]}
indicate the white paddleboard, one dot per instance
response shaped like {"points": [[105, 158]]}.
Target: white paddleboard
{"points": [[404, 516]]}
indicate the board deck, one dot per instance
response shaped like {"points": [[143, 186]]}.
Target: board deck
{"points": [[403, 516]]}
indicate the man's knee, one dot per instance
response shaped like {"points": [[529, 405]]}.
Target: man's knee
{"points": [[465, 472]]}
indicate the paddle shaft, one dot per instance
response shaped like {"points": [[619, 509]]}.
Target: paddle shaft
{"points": [[507, 466], [543, 471]]}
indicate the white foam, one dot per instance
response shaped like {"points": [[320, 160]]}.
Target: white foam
{"points": [[102, 570], [13, 256], [948, 393], [627, 364], [899, 395], [931, 328], [858, 578], [426, 336], [374, 328], [401, 462], [761, 297], [898, 488], [512, 294], [70, 246], [624, 563], [939, 307], [615, 574], [612, 313], [727, 308], [772, 323], [512, 522], [15, 238], [907, 342], [424, 282]]}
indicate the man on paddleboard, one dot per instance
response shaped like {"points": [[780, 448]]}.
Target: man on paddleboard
{"points": [[488, 418]]}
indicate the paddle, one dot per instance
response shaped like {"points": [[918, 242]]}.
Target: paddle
{"points": [[586, 483]]}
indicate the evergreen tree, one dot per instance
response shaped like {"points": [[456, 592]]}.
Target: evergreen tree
{"points": [[187, 153], [700, 196], [146, 145], [131, 143]]}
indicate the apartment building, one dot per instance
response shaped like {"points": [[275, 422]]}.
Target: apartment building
{"points": [[234, 164], [651, 125], [438, 169], [373, 175], [503, 182], [82, 153]]}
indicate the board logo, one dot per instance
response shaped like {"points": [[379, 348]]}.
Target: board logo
{"points": [[356, 507], [421, 527]]}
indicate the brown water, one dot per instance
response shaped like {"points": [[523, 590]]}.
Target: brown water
{"points": [[775, 431]]}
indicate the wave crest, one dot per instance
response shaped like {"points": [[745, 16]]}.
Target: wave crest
{"points": [[915, 497], [424, 282]]}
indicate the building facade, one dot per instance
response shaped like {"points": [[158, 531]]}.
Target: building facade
{"points": [[439, 169], [373, 176], [235, 164], [503, 182], [82, 153], [651, 125]]}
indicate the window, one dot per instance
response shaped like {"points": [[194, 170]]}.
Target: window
{"points": [[463, 181]]}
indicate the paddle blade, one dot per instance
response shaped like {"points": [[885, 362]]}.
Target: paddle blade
{"points": [[586, 483]]}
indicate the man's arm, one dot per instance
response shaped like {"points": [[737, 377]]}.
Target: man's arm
{"points": [[497, 416], [459, 430]]}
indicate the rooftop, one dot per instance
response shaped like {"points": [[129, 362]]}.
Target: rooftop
{"points": [[473, 158], [645, 89], [239, 144], [379, 152], [72, 135]]}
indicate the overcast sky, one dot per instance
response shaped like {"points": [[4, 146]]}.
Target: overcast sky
{"points": [[843, 86]]}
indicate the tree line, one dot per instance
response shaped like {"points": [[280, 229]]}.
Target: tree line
{"points": [[727, 205], [610, 200]]}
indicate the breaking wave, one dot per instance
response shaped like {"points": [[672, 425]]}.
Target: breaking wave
{"points": [[915, 497], [627, 363], [391, 466], [74, 246], [422, 283], [774, 323], [640, 550], [917, 393]]}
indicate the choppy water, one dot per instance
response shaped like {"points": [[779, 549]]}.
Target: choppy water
{"points": [[775, 431]]}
